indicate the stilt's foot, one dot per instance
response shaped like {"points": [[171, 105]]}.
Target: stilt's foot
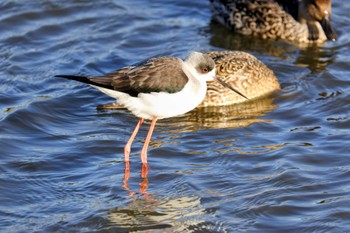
{"points": [[143, 156], [127, 154]]}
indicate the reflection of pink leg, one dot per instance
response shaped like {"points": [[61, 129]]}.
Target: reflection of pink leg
{"points": [[126, 175], [127, 147], [144, 170], [144, 186], [144, 182], [148, 139], [126, 178]]}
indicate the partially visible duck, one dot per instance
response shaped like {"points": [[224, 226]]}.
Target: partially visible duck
{"points": [[245, 73], [302, 21]]}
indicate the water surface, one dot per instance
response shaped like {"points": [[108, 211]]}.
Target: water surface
{"points": [[276, 164]]}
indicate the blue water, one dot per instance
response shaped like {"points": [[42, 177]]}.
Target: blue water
{"points": [[277, 164]]}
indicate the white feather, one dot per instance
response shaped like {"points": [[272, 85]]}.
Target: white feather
{"points": [[164, 104]]}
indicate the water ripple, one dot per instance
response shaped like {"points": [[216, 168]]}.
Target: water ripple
{"points": [[275, 164]]}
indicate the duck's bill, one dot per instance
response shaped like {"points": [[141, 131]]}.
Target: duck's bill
{"points": [[229, 87], [327, 28]]}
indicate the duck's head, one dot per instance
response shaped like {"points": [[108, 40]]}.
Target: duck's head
{"points": [[313, 11]]}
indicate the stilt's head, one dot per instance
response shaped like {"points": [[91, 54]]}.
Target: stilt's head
{"points": [[204, 66], [205, 69]]}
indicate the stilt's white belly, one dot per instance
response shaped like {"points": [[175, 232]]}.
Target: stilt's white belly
{"points": [[161, 104]]}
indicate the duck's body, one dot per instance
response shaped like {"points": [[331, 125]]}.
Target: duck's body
{"points": [[245, 73], [302, 21]]}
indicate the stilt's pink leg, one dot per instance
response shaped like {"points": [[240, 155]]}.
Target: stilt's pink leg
{"points": [[127, 147], [148, 139]]}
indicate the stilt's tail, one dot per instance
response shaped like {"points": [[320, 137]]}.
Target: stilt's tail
{"points": [[87, 80]]}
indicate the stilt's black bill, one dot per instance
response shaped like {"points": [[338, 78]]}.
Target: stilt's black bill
{"points": [[229, 87]]}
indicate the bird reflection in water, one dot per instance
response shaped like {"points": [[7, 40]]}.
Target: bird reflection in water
{"points": [[232, 116], [143, 184], [163, 213], [214, 117], [220, 117]]}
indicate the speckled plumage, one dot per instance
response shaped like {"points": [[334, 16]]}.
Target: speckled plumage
{"points": [[301, 21], [242, 71]]}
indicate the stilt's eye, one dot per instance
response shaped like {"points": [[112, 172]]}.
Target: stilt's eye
{"points": [[205, 70]]}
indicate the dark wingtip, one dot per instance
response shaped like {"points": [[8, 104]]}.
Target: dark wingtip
{"points": [[87, 80], [82, 79], [72, 77]]}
